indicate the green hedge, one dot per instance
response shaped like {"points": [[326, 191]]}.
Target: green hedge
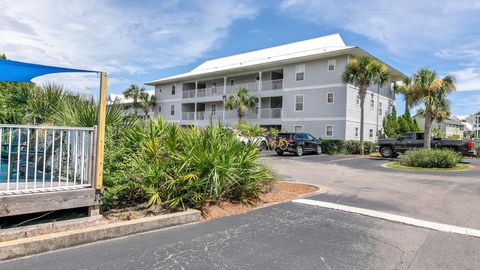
{"points": [[332, 147], [430, 158]]}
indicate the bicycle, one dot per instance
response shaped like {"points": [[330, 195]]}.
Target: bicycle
{"points": [[275, 144]]}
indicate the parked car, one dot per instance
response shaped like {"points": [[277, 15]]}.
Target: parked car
{"points": [[299, 143], [393, 147], [259, 140]]}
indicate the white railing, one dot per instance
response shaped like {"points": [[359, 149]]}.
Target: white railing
{"points": [[188, 115], [45, 158], [272, 85], [251, 86], [188, 93], [211, 91], [273, 113]]}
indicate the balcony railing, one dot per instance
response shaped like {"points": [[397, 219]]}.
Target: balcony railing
{"points": [[273, 113], [272, 85], [45, 158], [188, 93], [251, 86], [188, 115], [210, 92], [207, 115]]}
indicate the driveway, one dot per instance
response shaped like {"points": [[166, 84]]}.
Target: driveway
{"points": [[446, 197], [285, 236]]}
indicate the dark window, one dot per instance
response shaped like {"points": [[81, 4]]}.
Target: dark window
{"points": [[159, 108], [172, 109], [173, 89]]}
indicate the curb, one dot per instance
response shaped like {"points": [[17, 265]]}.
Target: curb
{"points": [[49, 242]]}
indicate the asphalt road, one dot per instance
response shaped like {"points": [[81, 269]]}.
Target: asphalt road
{"points": [[285, 236], [296, 236], [445, 197]]}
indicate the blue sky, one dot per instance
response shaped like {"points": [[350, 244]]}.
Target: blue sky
{"points": [[139, 41]]}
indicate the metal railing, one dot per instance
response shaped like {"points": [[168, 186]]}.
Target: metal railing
{"points": [[272, 85], [251, 86], [272, 113], [210, 92], [188, 115], [188, 93], [45, 158]]}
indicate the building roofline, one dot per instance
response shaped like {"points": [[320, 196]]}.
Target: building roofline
{"points": [[355, 51]]}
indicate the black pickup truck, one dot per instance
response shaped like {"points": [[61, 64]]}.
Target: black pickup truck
{"points": [[392, 147]]}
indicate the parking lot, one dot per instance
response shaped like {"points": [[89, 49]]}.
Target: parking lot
{"points": [[451, 197]]}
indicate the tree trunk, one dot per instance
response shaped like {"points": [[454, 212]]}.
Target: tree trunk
{"points": [[427, 140], [362, 120]]}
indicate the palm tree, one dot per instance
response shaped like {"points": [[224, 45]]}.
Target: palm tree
{"points": [[403, 90], [362, 72], [146, 102], [431, 90], [241, 102], [134, 93]]}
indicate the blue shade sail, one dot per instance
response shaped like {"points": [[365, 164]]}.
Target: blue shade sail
{"points": [[13, 71]]}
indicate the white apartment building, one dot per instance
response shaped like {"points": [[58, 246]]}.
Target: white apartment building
{"points": [[298, 88], [474, 120]]}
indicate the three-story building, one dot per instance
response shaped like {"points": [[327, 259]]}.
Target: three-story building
{"points": [[298, 87]]}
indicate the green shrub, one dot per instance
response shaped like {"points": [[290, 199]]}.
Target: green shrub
{"points": [[333, 147], [191, 167], [430, 158]]}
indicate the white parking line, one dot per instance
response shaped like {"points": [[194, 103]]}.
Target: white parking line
{"points": [[395, 218], [344, 159]]}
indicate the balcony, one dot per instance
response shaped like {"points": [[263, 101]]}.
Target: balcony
{"points": [[270, 113], [267, 113], [251, 86], [210, 92], [188, 93], [272, 85], [207, 115], [188, 115]]}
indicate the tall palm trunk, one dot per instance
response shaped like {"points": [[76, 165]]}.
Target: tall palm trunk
{"points": [[135, 105], [362, 120], [427, 140]]}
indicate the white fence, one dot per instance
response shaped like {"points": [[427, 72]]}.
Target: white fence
{"points": [[45, 158]]}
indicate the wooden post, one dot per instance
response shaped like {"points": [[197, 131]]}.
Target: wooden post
{"points": [[102, 111]]}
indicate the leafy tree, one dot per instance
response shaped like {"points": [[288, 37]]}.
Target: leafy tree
{"points": [[363, 72], [241, 102], [432, 91], [394, 126], [134, 92]]}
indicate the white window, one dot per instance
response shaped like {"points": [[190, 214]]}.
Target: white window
{"points": [[370, 133], [172, 109], [298, 129], [330, 98], [372, 101], [173, 89], [329, 131], [331, 65], [380, 109], [300, 72], [439, 126], [159, 108], [356, 131], [298, 103], [358, 99]]}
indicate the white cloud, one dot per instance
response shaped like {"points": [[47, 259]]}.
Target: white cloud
{"points": [[467, 79], [118, 37], [401, 26]]}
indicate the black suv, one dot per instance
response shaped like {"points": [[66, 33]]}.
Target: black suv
{"points": [[299, 143]]}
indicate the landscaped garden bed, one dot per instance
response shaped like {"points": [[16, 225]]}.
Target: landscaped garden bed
{"points": [[430, 159]]}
